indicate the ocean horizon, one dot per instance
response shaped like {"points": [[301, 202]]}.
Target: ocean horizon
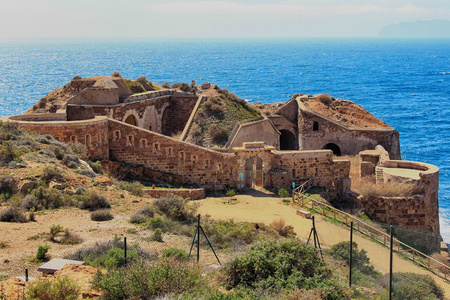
{"points": [[404, 82]]}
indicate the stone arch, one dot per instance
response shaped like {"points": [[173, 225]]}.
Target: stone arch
{"points": [[333, 147], [287, 140], [131, 119]]}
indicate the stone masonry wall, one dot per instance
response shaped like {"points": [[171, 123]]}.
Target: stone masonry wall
{"points": [[350, 141], [195, 164], [92, 133], [192, 194], [316, 165]]}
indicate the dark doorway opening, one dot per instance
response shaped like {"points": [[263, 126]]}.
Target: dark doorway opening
{"points": [[333, 147], [131, 120], [287, 140]]}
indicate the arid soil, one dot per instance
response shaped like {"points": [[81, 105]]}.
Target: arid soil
{"points": [[23, 239]]}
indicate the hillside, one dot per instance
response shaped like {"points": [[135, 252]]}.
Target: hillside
{"points": [[217, 116]]}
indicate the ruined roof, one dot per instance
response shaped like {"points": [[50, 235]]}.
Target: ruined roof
{"points": [[105, 83], [343, 111]]}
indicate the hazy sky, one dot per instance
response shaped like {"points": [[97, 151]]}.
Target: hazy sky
{"points": [[211, 18]]}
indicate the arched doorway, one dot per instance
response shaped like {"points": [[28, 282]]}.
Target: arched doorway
{"points": [[333, 147], [131, 120], [254, 174], [287, 140]]}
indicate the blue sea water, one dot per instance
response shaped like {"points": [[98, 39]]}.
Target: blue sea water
{"points": [[406, 83]]}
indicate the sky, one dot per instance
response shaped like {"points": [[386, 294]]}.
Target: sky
{"points": [[210, 18]]}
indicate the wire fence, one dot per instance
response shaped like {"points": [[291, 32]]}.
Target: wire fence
{"points": [[407, 261], [373, 240]]}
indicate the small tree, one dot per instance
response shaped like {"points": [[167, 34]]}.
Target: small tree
{"points": [[283, 193]]}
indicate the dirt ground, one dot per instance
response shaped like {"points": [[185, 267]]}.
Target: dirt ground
{"points": [[23, 239]]}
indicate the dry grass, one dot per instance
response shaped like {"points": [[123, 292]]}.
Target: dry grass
{"points": [[368, 188], [282, 229]]}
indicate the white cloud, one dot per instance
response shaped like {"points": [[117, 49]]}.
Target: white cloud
{"points": [[224, 7], [411, 9]]}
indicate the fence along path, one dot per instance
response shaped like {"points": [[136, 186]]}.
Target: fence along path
{"points": [[326, 210]]}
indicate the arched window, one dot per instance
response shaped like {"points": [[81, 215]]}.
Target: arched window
{"points": [[316, 126]]}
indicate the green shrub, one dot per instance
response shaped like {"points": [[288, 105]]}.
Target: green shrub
{"points": [[283, 193], [218, 134], [174, 207], [52, 173], [13, 214], [283, 264], [85, 172], [135, 187], [79, 149], [142, 79], [92, 201], [360, 260], [142, 215], [101, 215], [55, 229], [231, 193], [175, 253], [77, 78], [63, 288], [166, 277], [134, 86], [96, 167], [411, 286], [8, 153], [166, 85], [72, 161], [227, 233], [42, 252], [46, 198], [6, 187], [157, 235]]}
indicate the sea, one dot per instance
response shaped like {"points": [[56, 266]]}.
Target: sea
{"points": [[404, 82]]}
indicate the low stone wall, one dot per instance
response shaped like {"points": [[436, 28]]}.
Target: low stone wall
{"points": [[412, 212], [192, 194]]}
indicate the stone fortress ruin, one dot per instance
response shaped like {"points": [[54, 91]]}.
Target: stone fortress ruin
{"points": [[145, 135]]}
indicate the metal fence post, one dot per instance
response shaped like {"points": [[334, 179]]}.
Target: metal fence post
{"points": [[198, 238], [390, 261], [351, 255], [26, 275], [125, 249]]}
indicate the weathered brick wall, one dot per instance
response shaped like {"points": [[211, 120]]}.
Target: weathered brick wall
{"points": [[316, 165], [192, 194], [412, 212], [167, 114], [351, 141], [93, 133], [195, 164]]}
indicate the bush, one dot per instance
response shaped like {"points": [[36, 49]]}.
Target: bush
{"points": [[142, 79], [85, 172], [92, 201], [96, 167], [71, 161], [55, 229], [102, 215], [218, 134], [61, 288], [116, 74], [283, 193], [6, 186], [52, 173], [46, 198], [13, 214], [157, 235], [144, 281], [231, 193], [175, 253], [324, 98], [42, 252], [360, 260], [282, 229], [77, 78], [166, 85], [79, 149], [134, 86], [135, 187], [411, 286], [283, 264], [174, 207], [224, 234], [8, 153], [142, 215]]}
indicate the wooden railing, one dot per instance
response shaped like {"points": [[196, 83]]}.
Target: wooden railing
{"points": [[372, 232]]}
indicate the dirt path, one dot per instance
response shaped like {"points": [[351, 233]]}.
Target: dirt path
{"points": [[259, 207]]}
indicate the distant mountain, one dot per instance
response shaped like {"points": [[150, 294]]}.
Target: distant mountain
{"points": [[418, 29]]}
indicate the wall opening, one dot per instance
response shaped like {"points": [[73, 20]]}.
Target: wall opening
{"points": [[287, 140], [315, 126], [131, 120], [254, 174], [333, 147]]}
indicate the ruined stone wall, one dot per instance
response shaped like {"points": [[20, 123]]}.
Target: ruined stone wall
{"points": [[192, 194], [151, 150], [351, 141], [411, 212], [93, 133], [316, 165], [164, 114]]}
